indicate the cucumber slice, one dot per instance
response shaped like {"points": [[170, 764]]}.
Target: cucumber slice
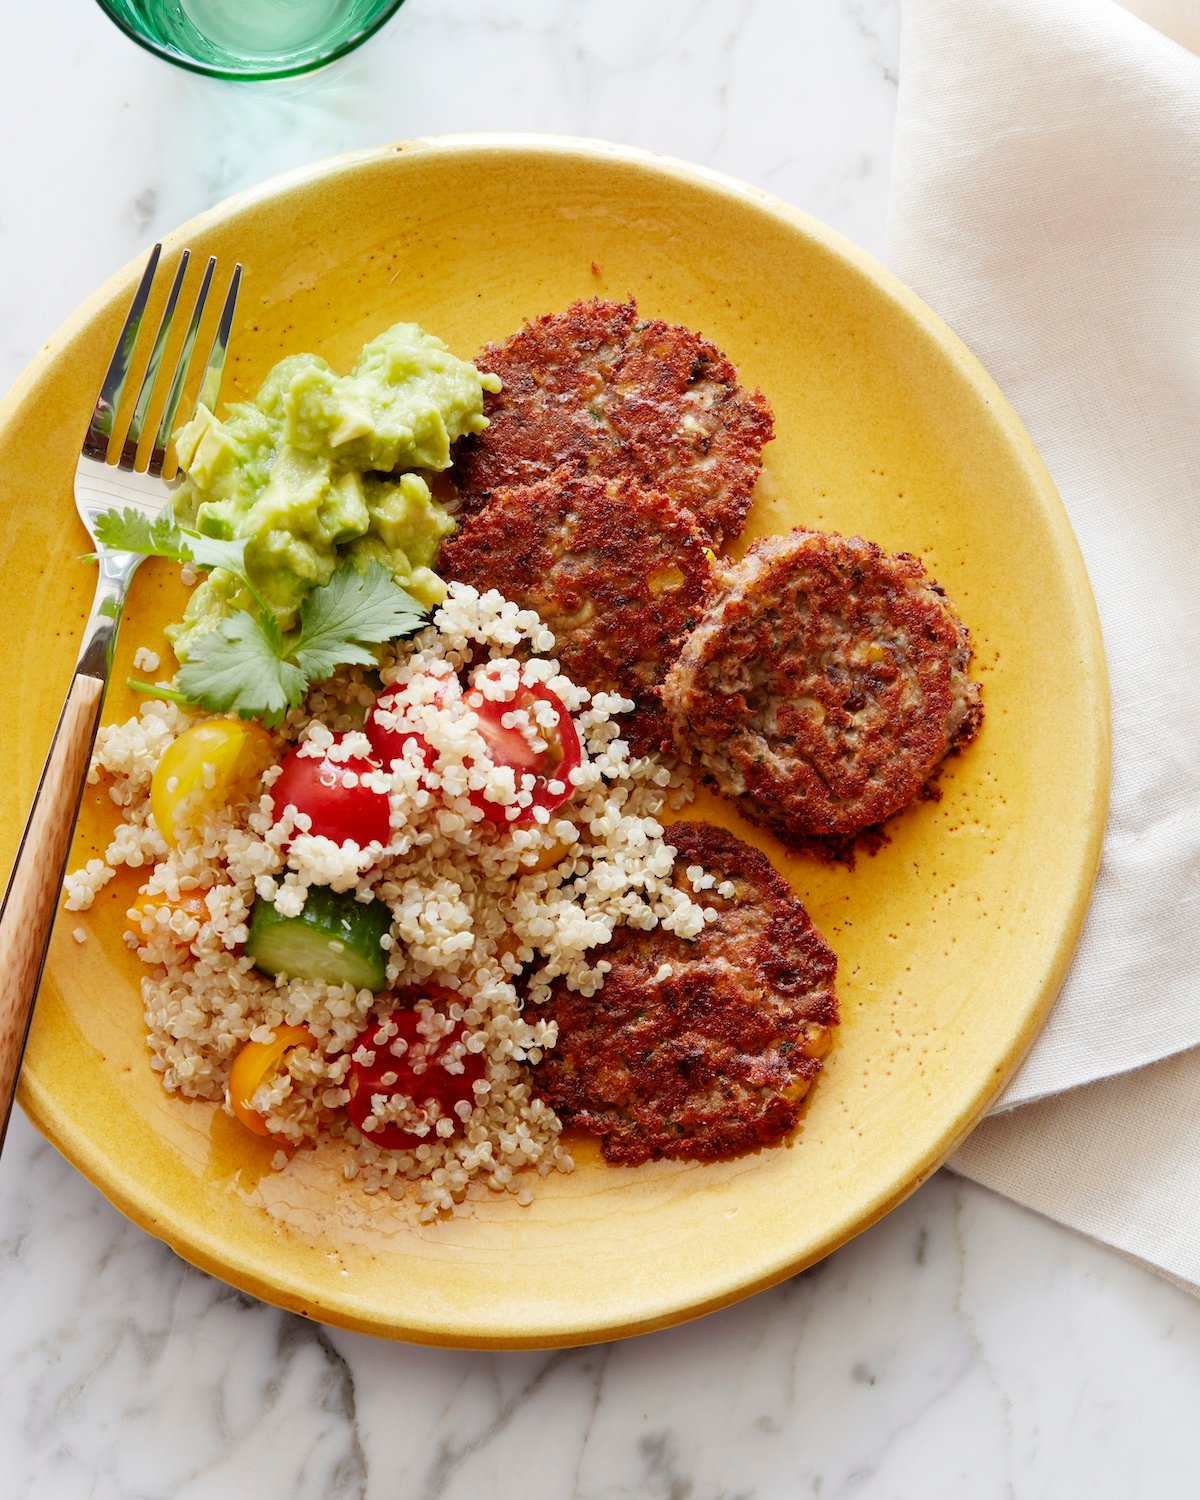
{"points": [[335, 939]]}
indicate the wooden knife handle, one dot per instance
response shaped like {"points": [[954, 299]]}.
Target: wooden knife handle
{"points": [[27, 915]]}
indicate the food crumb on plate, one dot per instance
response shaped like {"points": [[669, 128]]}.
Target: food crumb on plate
{"points": [[82, 885]]}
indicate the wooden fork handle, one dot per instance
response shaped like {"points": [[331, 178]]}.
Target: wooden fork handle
{"points": [[27, 915]]}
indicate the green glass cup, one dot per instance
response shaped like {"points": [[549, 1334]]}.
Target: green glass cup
{"points": [[250, 39]]}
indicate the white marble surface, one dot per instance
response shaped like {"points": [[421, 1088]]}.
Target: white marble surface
{"points": [[963, 1347]]}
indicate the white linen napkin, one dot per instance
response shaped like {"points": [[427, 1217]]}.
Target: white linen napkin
{"points": [[1046, 202]]}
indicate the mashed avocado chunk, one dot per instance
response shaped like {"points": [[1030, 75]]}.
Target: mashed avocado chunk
{"points": [[320, 467]]}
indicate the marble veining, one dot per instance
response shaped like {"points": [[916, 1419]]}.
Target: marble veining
{"points": [[963, 1347]]}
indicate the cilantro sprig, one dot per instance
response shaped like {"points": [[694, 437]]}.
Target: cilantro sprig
{"points": [[246, 664], [129, 530]]}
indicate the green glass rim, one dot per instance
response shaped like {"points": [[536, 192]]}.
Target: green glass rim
{"points": [[248, 75]]}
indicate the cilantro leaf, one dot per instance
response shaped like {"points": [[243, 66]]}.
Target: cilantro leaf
{"points": [[235, 666], [130, 531], [245, 664], [351, 612]]}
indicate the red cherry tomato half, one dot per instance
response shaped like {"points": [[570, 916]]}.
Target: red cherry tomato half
{"points": [[417, 1077], [341, 805], [388, 742], [551, 768]]}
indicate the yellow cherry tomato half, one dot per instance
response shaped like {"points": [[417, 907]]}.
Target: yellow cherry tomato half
{"points": [[258, 1063], [552, 855], [190, 902], [508, 945], [208, 765]]}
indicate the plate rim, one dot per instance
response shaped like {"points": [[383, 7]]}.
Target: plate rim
{"points": [[201, 1248]]}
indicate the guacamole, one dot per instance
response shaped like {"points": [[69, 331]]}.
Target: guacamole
{"points": [[322, 467]]}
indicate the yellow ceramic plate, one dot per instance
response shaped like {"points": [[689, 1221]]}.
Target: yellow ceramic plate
{"points": [[952, 941]]}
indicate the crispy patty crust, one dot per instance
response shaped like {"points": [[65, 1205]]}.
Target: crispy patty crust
{"points": [[624, 397], [618, 573], [824, 685], [698, 1048]]}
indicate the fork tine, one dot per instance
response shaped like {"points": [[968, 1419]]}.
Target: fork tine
{"points": [[162, 438], [211, 384], [146, 391], [95, 443]]}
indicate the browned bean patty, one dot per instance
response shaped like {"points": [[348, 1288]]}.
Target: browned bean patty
{"points": [[625, 397], [618, 573], [698, 1048], [824, 685]]}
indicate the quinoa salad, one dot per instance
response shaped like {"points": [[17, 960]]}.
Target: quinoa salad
{"points": [[473, 906]]}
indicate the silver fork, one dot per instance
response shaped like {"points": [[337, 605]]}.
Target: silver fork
{"points": [[27, 913]]}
